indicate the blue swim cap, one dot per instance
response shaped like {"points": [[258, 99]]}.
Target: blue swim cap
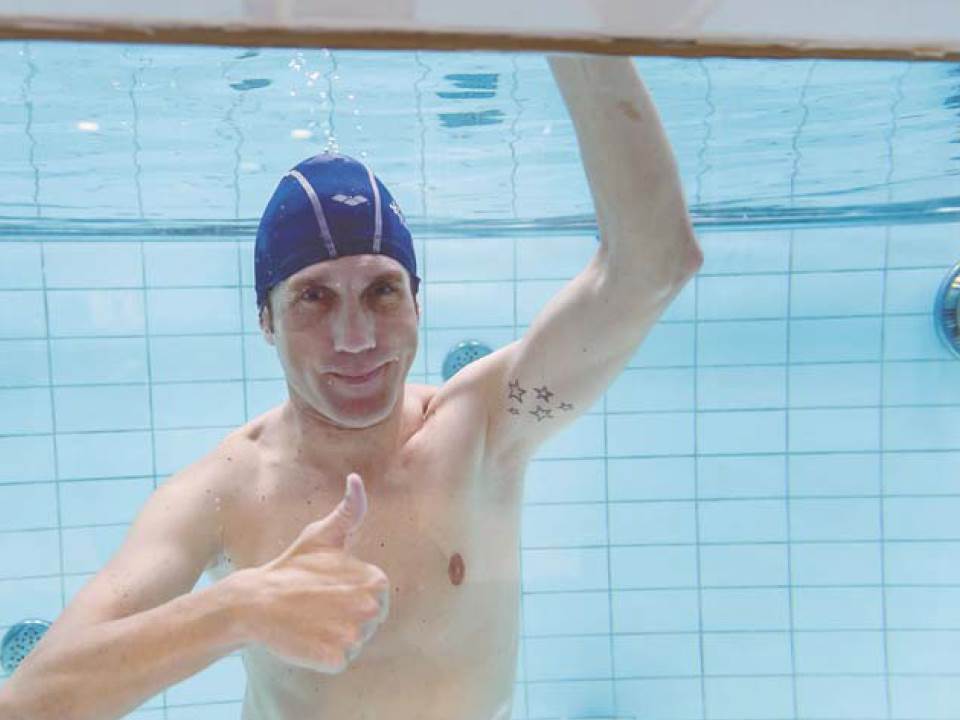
{"points": [[327, 207]]}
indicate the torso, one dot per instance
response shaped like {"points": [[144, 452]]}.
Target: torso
{"points": [[445, 530]]}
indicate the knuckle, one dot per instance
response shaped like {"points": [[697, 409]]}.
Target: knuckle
{"points": [[368, 608], [349, 635]]}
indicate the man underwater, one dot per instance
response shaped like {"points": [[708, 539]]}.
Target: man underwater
{"points": [[363, 537]]}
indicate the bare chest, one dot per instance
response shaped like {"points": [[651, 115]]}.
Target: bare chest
{"points": [[444, 532]]}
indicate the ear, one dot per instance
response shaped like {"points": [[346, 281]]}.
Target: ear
{"points": [[266, 324]]}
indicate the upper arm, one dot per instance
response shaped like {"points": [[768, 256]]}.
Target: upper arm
{"points": [[170, 543], [575, 347]]}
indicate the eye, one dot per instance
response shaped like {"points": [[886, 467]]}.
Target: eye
{"points": [[385, 289], [310, 294]]}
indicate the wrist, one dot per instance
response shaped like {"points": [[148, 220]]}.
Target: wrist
{"points": [[239, 590]]}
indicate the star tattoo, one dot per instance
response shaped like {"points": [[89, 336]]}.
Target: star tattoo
{"points": [[516, 392], [543, 393], [541, 412], [513, 411], [566, 406]]}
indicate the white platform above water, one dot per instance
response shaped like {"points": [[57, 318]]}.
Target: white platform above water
{"points": [[922, 29]]}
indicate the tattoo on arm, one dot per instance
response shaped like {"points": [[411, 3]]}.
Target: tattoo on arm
{"points": [[543, 410]]}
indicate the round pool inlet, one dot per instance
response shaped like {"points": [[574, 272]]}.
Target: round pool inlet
{"points": [[19, 640]]}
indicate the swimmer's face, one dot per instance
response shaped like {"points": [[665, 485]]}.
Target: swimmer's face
{"points": [[335, 321]]}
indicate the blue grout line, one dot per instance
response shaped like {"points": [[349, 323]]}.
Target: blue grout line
{"points": [[881, 489], [515, 334], [695, 415]]}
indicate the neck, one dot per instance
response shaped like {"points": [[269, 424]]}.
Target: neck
{"points": [[320, 443]]}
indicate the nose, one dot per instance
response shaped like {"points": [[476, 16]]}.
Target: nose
{"points": [[354, 328]]}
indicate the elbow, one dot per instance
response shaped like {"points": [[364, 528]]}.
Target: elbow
{"points": [[689, 260], [693, 260]]}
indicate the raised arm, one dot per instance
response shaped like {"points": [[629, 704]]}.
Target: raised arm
{"points": [[586, 333]]}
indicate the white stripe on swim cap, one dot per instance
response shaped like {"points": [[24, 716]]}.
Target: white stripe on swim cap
{"points": [[317, 211], [377, 218]]}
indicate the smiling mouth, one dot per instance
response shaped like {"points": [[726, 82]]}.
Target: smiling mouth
{"points": [[361, 379]]}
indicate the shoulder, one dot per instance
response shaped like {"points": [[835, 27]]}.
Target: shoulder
{"points": [[226, 467]]}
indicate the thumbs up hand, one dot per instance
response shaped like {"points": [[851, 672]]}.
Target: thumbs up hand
{"points": [[315, 605]]}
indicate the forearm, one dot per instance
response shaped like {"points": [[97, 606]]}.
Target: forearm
{"points": [[106, 669], [629, 165]]}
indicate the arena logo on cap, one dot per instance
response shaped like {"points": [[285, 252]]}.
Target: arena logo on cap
{"points": [[350, 200], [398, 212]]}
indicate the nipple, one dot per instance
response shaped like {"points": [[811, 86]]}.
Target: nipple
{"points": [[456, 569]]}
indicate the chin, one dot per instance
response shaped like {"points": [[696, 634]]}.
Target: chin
{"points": [[357, 413]]}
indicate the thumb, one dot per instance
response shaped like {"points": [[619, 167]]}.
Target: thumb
{"points": [[347, 517]]}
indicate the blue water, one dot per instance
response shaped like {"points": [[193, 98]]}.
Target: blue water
{"points": [[758, 519]]}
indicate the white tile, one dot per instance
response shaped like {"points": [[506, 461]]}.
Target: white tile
{"points": [[745, 609], [839, 652], [200, 404], [746, 654], [741, 431], [657, 655], [20, 265], [743, 521], [191, 263], [835, 519], [836, 293], [92, 265], [571, 657], [751, 698], [742, 297], [582, 525], [25, 411], [29, 553], [174, 312], [479, 303], [637, 390], [660, 699], [197, 358], [471, 259], [23, 362], [95, 312], [108, 454], [23, 315], [99, 502], [99, 360], [638, 611], [841, 608], [668, 478], [102, 407], [836, 563], [730, 388], [651, 434], [26, 458], [931, 428], [564, 481], [652, 522], [744, 251], [834, 384], [634, 568], [833, 340], [743, 565], [910, 608], [834, 474], [742, 342], [564, 569], [841, 697], [913, 291], [839, 248], [830, 430], [566, 613], [741, 477]]}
